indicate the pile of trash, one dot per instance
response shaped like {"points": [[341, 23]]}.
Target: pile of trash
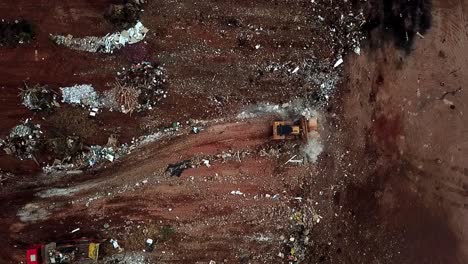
{"points": [[137, 88], [24, 140], [83, 95], [149, 78], [38, 98], [16, 32], [298, 239], [106, 44]]}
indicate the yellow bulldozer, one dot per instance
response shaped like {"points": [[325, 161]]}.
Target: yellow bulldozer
{"points": [[287, 130]]}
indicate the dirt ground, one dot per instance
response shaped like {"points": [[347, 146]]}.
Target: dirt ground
{"points": [[390, 185]]}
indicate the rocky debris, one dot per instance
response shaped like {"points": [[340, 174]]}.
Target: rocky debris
{"points": [[24, 140], [38, 98], [83, 95], [16, 32], [106, 44]]}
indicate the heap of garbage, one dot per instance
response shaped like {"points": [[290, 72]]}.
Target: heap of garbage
{"points": [[137, 88], [83, 94], [106, 44], [38, 98], [23, 141], [98, 154]]}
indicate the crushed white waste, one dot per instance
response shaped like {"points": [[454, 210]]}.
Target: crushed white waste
{"points": [[83, 94], [106, 44]]}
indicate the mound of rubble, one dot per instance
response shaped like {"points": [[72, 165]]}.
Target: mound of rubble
{"points": [[137, 88], [23, 141], [106, 44], [38, 98]]}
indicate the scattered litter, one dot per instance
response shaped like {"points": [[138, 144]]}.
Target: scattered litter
{"points": [[75, 230], [295, 70], [106, 44], [149, 245], [206, 163], [116, 245], [178, 168], [338, 62], [99, 153], [237, 192]]}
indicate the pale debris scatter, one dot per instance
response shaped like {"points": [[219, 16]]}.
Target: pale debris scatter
{"points": [[32, 213], [106, 44], [313, 148], [293, 109], [83, 94], [320, 76]]}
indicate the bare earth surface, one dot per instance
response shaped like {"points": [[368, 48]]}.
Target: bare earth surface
{"points": [[389, 187]]}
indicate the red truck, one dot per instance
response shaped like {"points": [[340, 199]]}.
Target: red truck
{"points": [[63, 252]]}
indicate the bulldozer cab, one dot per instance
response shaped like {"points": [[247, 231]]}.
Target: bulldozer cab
{"points": [[285, 130]]}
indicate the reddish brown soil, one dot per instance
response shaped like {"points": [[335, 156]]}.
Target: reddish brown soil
{"points": [[390, 185]]}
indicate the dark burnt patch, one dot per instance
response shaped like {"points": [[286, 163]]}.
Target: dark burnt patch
{"points": [[397, 20], [14, 33]]}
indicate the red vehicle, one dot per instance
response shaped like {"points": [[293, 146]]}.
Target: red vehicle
{"points": [[64, 252]]}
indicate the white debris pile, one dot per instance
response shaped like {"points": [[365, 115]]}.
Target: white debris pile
{"points": [[83, 95], [106, 44]]}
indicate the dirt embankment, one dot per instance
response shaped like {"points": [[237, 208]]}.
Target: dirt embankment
{"points": [[404, 171]]}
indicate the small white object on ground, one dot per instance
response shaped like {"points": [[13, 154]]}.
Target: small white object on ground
{"points": [[338, 62]]}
